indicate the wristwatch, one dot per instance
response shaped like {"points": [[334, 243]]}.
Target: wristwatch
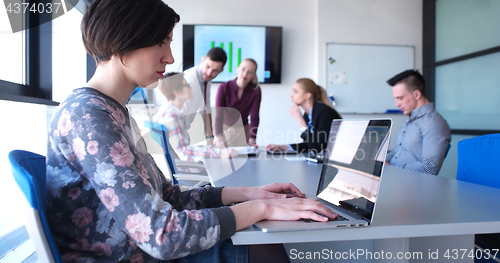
{"points": [[303, 129]]}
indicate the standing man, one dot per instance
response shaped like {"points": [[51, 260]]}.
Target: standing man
{"points": [[424, 139], [200, 79]]}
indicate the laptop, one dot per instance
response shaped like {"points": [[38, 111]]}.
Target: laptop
{"points": [[350, 175]]}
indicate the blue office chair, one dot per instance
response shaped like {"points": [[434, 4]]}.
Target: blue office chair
{"points": [[479, 163], [185, 171], [29, 170], [143, 94], [479, 160]]}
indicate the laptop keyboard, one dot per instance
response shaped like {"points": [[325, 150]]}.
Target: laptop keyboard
{"points": [[339, 218]]}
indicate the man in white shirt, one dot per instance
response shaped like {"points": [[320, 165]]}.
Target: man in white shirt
{"points": [[200, 79]]}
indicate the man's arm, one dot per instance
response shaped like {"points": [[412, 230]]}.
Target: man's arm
{"points": [[209, 134], [254, 117], [436, 137]]}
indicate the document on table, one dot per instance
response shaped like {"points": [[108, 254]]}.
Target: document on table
{"points": [[295, 158], [242, 150]]}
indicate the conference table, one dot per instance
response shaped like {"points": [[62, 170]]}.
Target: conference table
{"points": [[417, 218]]}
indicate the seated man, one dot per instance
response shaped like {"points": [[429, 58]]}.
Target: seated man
{"points": [[423, 140]]}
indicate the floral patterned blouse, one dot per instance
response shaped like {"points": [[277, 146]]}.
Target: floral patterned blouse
{"points": [[107, 201]]}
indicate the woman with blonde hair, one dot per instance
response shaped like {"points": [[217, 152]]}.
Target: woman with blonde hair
{"points": [[242, 94], [315, 122]]}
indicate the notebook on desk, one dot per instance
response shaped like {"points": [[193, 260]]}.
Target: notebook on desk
{"points": [[246, 150], [350, 175]]}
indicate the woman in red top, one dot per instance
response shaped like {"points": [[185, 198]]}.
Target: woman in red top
{"points": [[235, 98]]}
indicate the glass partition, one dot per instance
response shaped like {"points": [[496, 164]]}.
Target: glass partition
{"points": [[12, 50], [464, 27], [468, 93]]}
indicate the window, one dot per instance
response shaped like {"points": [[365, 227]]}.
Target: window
{"points": [[69, 58], [462, 61], [38, 68], [28, 75], [12, 50], [468, 92], [464, 27]]}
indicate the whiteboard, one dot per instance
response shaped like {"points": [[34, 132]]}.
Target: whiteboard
{"points": [[356, 75]]}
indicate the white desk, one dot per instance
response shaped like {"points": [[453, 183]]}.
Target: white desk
{"points": [[415, 212]]}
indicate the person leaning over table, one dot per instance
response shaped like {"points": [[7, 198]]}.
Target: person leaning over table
{"points": [[424, 138], [244, 95], [200, 78], [107, 200], [176, 89], [316, 121]]}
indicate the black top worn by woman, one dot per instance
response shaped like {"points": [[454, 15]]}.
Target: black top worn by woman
{"points": [[322, 116]]}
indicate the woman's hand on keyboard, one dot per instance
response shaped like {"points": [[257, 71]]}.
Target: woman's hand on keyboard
{"points": [[297, 208]]}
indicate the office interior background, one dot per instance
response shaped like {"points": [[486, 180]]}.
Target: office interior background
{"points": [[457, 47]]}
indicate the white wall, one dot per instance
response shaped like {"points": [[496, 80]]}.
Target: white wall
{"points": [[391, 22], [307, 26]]}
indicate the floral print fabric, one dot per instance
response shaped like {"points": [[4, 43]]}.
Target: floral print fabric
{"points": [[107, 199]]}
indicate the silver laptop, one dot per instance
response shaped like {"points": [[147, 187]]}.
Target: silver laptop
{"points": [[350, 175]]}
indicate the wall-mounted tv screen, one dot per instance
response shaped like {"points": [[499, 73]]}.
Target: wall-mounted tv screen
{"points": [[261, 43]]}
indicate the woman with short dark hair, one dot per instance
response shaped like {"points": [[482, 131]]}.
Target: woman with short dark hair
{"points": [[107, 201]]}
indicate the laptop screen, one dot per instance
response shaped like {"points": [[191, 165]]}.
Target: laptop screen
{"points": [[353, 163]]}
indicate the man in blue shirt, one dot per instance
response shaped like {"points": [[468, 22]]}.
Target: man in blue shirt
{"points": [[424, 139]]}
